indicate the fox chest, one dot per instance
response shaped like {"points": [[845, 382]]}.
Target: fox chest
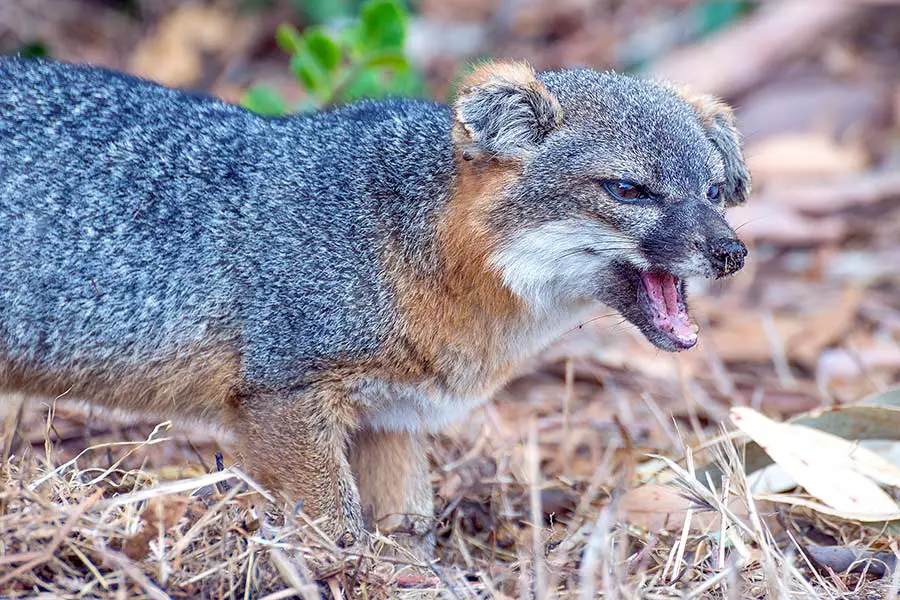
{"points": [[391, 406], [467, 378]]}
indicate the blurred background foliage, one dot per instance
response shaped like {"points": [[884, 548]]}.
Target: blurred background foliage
{"points": [[341, 50], [361, 57]]}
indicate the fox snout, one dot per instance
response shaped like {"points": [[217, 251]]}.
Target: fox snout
{"points": [[726, 255]]}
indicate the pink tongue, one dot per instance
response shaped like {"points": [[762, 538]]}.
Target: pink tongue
{"points": [[670, 314]]}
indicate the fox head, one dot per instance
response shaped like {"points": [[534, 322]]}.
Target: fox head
{"points": [[618, 190]]}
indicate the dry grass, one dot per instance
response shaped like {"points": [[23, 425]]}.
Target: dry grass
{"points": [[532, 502]]}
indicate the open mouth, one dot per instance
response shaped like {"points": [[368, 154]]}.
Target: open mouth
{"points": [[663, 296]]}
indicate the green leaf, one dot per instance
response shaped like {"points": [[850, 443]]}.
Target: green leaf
{"points": [[383, 25], [381, 75], [264, 100], [350, 38], [321, 47], [288, 38], [408, 83], [366, 84], [390, 60], [35, 49], [315, 61], [309, 72]]}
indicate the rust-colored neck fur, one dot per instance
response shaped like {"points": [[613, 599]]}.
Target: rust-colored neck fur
{"points": [[457, 320]]}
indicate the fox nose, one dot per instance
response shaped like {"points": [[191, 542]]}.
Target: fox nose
{"points": [[727, 255]]}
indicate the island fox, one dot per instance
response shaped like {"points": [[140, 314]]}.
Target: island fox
{"points": [[328, 288]]}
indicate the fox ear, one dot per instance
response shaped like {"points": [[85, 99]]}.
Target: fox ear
{"points": [[718, 119], [503, 111]]}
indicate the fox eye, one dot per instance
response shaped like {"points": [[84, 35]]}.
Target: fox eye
{"points": [[714, 192], [625, 191]]}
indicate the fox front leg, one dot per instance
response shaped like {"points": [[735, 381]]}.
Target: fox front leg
{"points": [[391, 468], [296, 446]]}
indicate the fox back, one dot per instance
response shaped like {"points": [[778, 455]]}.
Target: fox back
{"points": [[143, 226]]}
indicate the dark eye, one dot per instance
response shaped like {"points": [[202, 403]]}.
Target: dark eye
{"points": [[625, 191], [714, 192]]}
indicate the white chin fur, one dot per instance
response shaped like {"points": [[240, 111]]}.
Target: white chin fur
{"points": [[547, 267]]}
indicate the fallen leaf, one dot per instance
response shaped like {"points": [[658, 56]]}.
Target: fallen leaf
{"points": [[774, 479], [161, 514], [657, 507], [799, 501], [874, 418], [889, 398], [855, 421], [744, 337], [832, 469]]}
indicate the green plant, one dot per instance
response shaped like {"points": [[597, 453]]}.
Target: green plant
{"points": [[317, 11], [33, 49], [363, 58], [712, 15]]}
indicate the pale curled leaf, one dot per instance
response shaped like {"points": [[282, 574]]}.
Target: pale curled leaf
{"points": [[828, 467], [794, 500], [861, 459], [883, 467], [874, 418]]}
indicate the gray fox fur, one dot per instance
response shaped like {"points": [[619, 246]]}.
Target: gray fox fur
{"points": [[328, 288]]}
